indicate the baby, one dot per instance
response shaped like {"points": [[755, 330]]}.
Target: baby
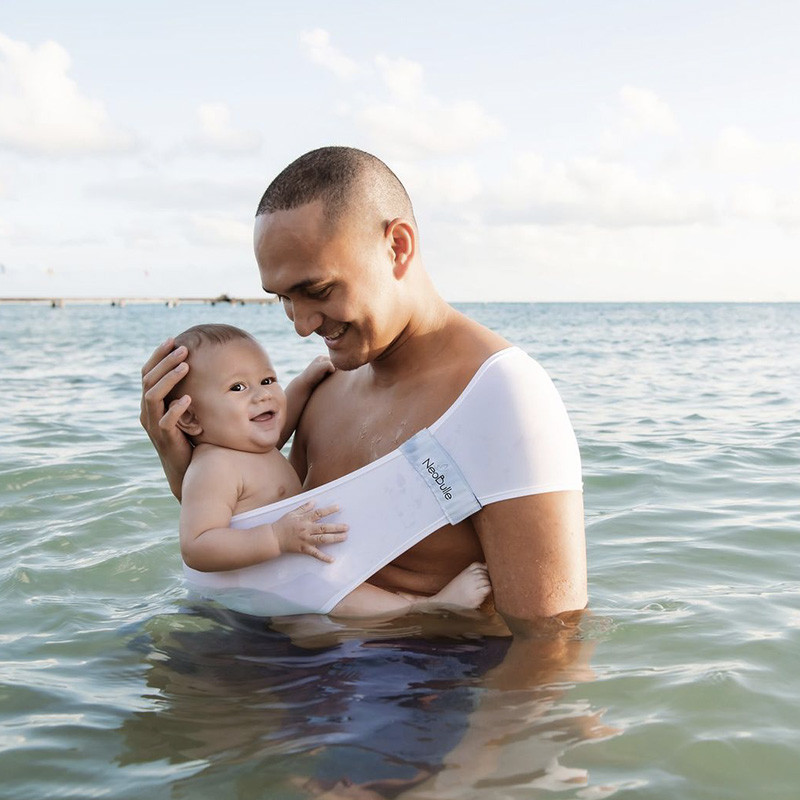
{"points": [[238, 418]]}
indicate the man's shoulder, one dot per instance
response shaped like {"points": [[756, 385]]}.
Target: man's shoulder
{"points": [[471, 339], [469, 345], [336, 385]]}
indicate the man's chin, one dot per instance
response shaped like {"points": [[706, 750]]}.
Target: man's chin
{"points": [[348, 358], [346, 361]]}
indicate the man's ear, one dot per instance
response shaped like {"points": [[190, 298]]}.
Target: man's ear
{"points": [[403, 240], [189, 423]]}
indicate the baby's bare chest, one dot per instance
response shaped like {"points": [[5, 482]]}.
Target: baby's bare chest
{"points": [[268, 478]]}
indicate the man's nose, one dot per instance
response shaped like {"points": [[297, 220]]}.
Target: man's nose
{"points": [[306, 319]]}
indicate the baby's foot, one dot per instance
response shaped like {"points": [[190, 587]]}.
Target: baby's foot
{"points": [[468, 589]]}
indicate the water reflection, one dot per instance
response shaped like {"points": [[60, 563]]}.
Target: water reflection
{"points": [[423, 708]]}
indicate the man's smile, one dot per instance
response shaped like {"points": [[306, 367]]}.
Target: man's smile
{"points": [[335, 334]]}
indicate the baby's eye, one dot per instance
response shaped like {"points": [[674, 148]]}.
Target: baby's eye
{"points": [[268, 381], [237, 387]]}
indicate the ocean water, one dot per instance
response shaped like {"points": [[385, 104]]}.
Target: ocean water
{"points": [[681, 680]]}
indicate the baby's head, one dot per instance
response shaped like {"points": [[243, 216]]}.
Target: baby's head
{"points": [[236, 401]]}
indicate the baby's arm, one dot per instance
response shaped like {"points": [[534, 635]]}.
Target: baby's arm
{"points": [[299, 390], [208, 543], [466, 591]]}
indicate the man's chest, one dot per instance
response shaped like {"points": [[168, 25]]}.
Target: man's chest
{"points": [[350, 428]]}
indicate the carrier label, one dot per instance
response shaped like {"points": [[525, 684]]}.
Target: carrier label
{"points": [[441, 475]]}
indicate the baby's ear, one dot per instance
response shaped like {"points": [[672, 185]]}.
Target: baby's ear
{"points": [[189, 423]]}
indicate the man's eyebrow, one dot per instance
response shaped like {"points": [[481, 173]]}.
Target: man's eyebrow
{"points": [[297, 287]]}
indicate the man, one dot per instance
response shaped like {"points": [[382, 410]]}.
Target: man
{"points": [[337, 242]]}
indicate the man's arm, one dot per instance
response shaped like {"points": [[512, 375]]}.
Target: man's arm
{"points": [[160, 374], [535, 549]]}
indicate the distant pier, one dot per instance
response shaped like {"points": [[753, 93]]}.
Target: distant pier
{"points": [[170, 302]]}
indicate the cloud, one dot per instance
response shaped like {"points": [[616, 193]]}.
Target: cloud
{"points": [[414, 123], [34, 233], [317, 46], [589, 191], [43, 110], [160, 192], [645, 113], [442, 192], [221, 231], [401, 117], [735, 150], [217, 132], [761, 204]]}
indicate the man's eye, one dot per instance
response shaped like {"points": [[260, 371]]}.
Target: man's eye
{"points": [[268, 381], [319, 294], [237, 387]]}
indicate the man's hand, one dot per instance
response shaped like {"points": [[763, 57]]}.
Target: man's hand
{"points": [[160, 374]]}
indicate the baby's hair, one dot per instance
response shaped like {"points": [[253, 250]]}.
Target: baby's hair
{"points": [[198, 336], [210, 333]]}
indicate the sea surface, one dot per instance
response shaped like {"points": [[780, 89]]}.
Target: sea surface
{"points": [[682, 680]]}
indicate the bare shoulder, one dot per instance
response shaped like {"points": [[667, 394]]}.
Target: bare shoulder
{"points": [[208, 457], [213, 475], [482, 341], [466, 345], [327, 397]]}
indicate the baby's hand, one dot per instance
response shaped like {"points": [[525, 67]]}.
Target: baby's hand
{"points": [[318, 370], [300, 531]]}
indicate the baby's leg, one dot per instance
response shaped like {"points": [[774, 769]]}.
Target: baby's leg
{"points": [[466, 591]]}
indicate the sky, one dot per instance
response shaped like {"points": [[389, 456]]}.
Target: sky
{"points": [[554, 151]]}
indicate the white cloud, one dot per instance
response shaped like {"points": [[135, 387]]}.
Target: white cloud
{"points": [[448, 184], [158, 191], [411, 123], [589, 191], [43, 110], [763, 204], [403, 78], [735, 150], [415, 123], [221, 231], [218, 133], [317, 46], [646, 113]]}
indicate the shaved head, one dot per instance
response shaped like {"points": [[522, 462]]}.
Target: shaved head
{"points": [[347, 181]]}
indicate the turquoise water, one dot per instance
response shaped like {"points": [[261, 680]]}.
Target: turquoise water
{"points": [[680, 682]]}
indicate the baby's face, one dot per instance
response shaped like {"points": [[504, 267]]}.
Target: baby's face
{"points": [[236, 397]]}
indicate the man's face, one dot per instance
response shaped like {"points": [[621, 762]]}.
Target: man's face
{"points": [[236, 399], [335, 280]]}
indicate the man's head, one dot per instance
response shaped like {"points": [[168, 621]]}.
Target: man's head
{"points": [[346, 181], [236, 401], [336, 240]]}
